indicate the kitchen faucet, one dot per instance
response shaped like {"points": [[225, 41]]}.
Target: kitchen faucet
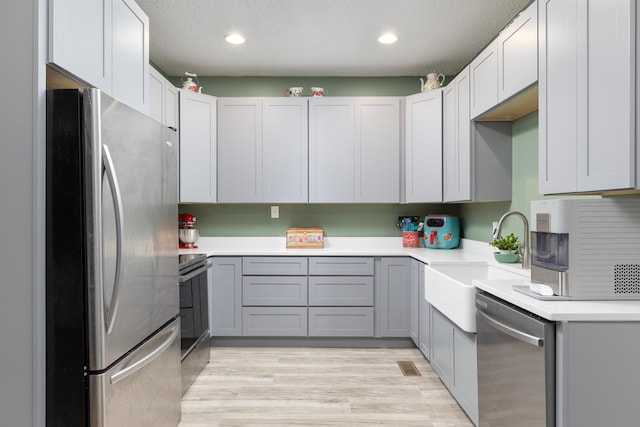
{"points": [[526, 258]]}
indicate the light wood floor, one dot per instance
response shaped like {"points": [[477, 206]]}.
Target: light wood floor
{"points": [[318, 387]]}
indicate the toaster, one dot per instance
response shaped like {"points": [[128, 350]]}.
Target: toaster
{"points": [[441, 231]]}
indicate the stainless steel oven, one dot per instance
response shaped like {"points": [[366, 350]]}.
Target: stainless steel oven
{"points": [[516, 365], [194, 316]]}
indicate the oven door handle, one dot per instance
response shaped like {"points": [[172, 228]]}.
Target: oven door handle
{"points": [[194, 273], [519, 335]]}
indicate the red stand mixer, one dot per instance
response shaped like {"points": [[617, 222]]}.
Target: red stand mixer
{"points": [[187, 234]]}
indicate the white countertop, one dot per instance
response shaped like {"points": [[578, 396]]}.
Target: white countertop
{"points": [[470, 252]]}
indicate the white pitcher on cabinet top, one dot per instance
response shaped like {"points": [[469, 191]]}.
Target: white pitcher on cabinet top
{"points": [[434, 81]]}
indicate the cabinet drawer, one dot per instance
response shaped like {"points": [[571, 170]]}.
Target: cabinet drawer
{"points": [[340, 266], [340, 321], [274, 290], [274, 321], [341, 291], [274, 266]]}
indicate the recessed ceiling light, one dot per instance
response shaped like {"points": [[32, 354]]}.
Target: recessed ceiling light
{"points": [[234, 38], [388, 38]]}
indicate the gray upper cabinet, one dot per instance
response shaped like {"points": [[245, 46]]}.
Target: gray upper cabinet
{"points": [[377, 150], [517, 49], [331, 150], [457, 139], [587, 128], [104, 43], [507, 67], [423, 147], [262, 147], [239, 150], [80, 39], [354, 150], [163, 99], [285, 150], [130, 54], [477, 155], [484, 80], [197, 147]]}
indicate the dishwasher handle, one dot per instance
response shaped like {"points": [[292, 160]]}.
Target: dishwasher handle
{"points": [[519, 335]]}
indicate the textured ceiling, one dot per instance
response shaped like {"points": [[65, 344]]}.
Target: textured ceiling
{"points": [[322, 37]]}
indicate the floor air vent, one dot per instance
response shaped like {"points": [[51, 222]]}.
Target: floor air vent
{"points": [[408, 368]]}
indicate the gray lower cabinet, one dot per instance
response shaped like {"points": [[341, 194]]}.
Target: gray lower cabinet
{"points": [[341, 296], [274, 296], [274, 321], [340, 321], [454, 359], [226, 296], [395, 297]]}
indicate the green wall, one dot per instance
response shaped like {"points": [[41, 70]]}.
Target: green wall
{"points": [[336, 86], [337, 220]]}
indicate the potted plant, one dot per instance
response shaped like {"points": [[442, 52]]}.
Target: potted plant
{"points": [[507, 248]]}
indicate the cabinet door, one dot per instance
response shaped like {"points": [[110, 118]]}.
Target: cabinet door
{"points": [[331, 150], [606, 116], [518, 54], [171, 113], [80, 39], [377, 150], [441, 345], [415, 302], [225, 297], [557, 91], [465, 372], [285, 150], [425, 318], [423, 147], [239, 150], [197, 147], [586, 131], [156, 95], [395, 298], [483, 72], [457, 139], [130, 63]]}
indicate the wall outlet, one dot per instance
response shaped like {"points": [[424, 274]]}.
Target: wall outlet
{"points": [[275, 211]]}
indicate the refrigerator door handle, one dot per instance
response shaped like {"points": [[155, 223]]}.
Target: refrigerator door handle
{"points": [[519, 335], [110, 172], [130, 370]]}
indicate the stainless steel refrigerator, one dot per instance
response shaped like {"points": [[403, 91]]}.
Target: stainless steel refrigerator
{"points": [[112, 304]]}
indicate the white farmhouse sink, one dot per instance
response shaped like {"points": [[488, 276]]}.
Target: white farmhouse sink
{"points": [[449, 288]]}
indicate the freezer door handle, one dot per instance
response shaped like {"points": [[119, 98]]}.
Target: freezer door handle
{"points": [[519, 335], [130, 370], [110, 172]]}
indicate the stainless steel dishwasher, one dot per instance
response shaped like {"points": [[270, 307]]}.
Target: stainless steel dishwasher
{"points": [[516, 365]]}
